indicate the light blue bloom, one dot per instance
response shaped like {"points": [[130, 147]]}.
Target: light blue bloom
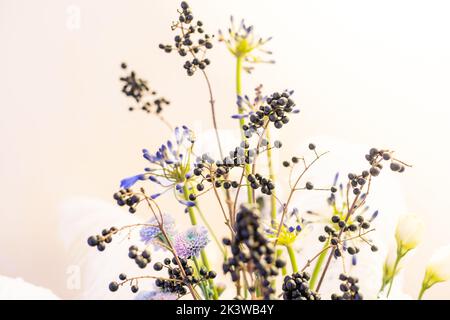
{"points": [[191, 242], [151, 232]]}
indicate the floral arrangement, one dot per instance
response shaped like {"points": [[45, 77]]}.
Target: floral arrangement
{"points": [[259, 256]]}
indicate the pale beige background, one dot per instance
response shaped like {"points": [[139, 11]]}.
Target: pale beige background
{"points": [[366, 72]]}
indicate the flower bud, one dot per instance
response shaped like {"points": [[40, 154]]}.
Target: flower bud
{"points": [[438, 269], [389, 265], [409, 232]]}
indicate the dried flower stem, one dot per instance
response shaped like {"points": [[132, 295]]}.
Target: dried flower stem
{"points": [[160, 221], [213, 112], [241, 121], [351, 210], [293, 189]]}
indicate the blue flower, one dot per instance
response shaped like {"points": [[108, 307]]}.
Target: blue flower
{"points": [[243, 43], [151, 232], [170, 166], [130, 181]]}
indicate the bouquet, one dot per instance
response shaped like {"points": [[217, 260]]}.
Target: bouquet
{"points": [[259, 255]]}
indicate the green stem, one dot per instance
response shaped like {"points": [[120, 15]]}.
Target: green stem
{"points": [[291, 253], [422, 291], [394, 272], [202, 285], [202, 252], [242, 121], [211, 230], [427, 283], [318, 266], [279, 254]]}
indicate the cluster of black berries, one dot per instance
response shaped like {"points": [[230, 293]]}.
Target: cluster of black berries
{"points": [[133, 87], [157, 105], [217, 171], [127, 197], [296, 287], [275, 109], [142, 258], [357, 182], [184, 42], [360, 224], [349, 288], [331, 234], [114, 285], [177, 282], [256, 181], [252, 251], [375, 157], [214, 172], [136, 88], [241, 155], [101, 240]]}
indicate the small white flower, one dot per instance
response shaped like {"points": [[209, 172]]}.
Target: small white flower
{"points": [[438, 269], [409, 232]]}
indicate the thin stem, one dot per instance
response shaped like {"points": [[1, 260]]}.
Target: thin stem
{"points": [[292, 257], [279, 254], [227, 219], [394, 271], [351, 210], [211, 230], [208, 267], [213, 112], [425, 287], [242, 121], [273, 197], [286, 205], [202, 252], [228, 200], [211, 99], [160, 221], [202, 285], [320, 259]]}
